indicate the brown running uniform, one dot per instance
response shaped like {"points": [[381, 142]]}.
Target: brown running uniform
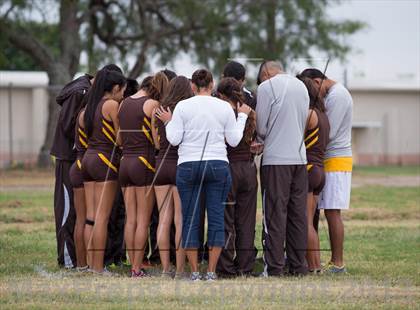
{"points": [[238, 255], [80, 143], [316, 141], [101, 160], [166, 159], [138, 162]]}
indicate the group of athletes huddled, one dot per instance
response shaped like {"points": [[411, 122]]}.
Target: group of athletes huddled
{"points": [[186, 149]]}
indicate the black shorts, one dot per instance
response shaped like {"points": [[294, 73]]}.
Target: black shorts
{"points": [[136, 171], [98, 166], [76, 174], [316, 179], [166, 172]]}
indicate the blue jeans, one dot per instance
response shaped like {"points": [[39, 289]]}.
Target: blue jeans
{"points": [[211, 178]]}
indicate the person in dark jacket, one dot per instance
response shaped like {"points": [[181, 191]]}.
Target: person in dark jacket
{"points": [[70, 99], [237, 71]]}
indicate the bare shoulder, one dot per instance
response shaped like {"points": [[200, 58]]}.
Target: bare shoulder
{"points": [[151, 103], [312, 119], [111, 104], [81, 120]]}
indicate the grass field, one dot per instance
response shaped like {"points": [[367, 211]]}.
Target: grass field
{"points": [[382, 253]]}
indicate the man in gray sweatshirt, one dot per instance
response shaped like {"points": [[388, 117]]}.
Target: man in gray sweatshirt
{"points": [[282, 110]]}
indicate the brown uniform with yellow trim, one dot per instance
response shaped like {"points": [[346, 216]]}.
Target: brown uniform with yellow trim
{"points": [[316, 141], [138, 161], [166, 159], [101, 160], [80, 142]]}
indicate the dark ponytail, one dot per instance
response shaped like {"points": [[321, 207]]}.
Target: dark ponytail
{"points": [[202, 78], [230, 88], [105, 80], [315, 100]]}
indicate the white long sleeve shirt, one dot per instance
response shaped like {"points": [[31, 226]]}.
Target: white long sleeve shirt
{"points": [[200, 126]]}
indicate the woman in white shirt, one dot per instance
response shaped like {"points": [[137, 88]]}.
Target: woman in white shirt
{"points": [[200, 126]]}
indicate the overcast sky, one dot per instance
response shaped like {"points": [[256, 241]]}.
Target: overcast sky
{"points": [[386, 52]]}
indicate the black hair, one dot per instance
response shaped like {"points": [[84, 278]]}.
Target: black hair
{"points": [[132, 88], [105, 80], [313, 73], [202, 78], [112, 67], [230, 88], [235, 70], [169, 74], [315, 100]]}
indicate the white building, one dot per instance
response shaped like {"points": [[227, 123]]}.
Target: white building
{"points": [[386, 123]]}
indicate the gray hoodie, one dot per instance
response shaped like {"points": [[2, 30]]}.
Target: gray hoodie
{"points": [[282, 110], [339, 105]]}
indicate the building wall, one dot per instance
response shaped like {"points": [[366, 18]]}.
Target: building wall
{"points": [[390, 127], [386, 125], [28, 124]]}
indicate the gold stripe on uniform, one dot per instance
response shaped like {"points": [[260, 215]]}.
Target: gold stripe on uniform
{"points": [[146, 121], [147, 134], [312, 142], [82, 132], [308, 167], [79, 164], [146, 163], [107, 134], [312, 134], [83, 142], [107, 162], [338, 164], [108, 126]]}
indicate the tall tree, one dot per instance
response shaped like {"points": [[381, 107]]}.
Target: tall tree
{"points": [[132, 32]]}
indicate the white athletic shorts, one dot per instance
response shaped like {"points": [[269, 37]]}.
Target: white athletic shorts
{"points": [[336, 192]]}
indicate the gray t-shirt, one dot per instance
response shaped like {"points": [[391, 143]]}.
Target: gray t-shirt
{"points": [[282, 109], [339, 105]]}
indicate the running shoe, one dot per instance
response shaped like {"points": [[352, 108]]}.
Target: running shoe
{"points": [[82, 269], [331, 268], [315, 271], [105, 273], [140, 274], [195, 276], [210, 276]]}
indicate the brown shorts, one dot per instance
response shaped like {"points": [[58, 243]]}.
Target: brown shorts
{"points": [[135, 171], [98, 166], [167, 172], [76, 174], [316, 179]]}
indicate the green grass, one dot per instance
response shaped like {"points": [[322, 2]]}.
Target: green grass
{"points": [[382, 252], [387, 170]]}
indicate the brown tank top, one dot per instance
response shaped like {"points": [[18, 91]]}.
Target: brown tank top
{"points": [[103, 136], [242, 152], [172, 152], [135, 129], [80, 141], [316, 140]]}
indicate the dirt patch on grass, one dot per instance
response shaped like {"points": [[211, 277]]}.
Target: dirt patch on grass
{"points": [[387, 181], [26, 179]]}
